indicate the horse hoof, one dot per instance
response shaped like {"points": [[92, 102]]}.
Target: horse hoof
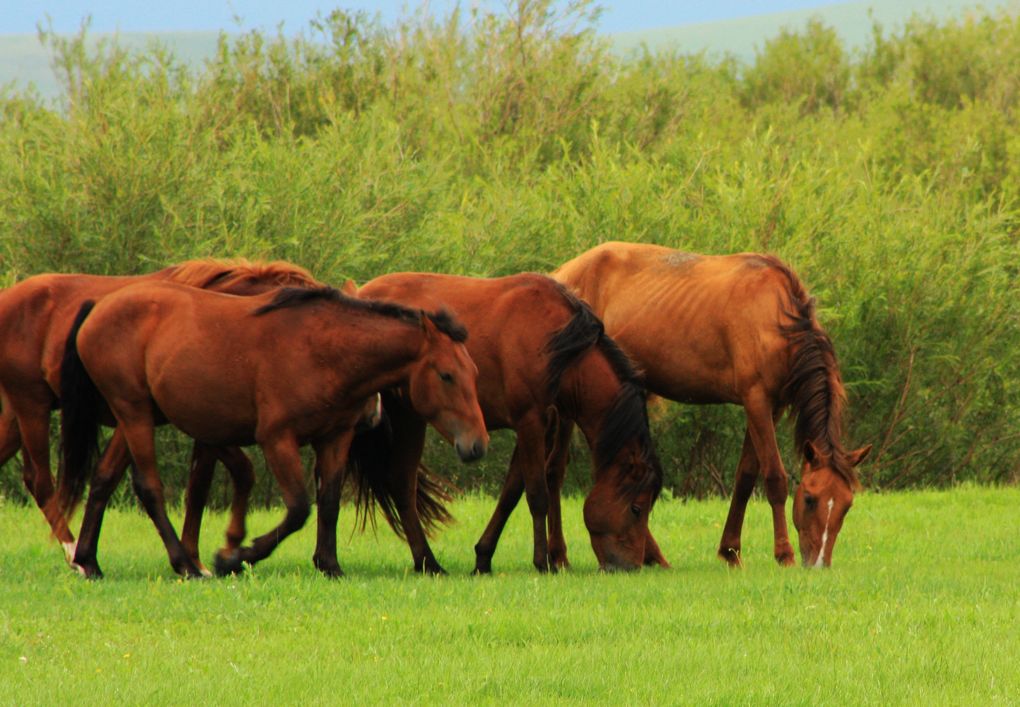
{"points": [[332, 572], [69, 550], [785, 560], [731, 556], [481, 571], [229, 564], [87, 570]]}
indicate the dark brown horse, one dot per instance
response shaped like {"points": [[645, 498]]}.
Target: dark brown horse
{"points": [[542, 357], [735, 329], [35, 317], [284, 369]]}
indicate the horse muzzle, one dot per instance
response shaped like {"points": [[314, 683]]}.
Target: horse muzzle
{"points": [[472, 452]]}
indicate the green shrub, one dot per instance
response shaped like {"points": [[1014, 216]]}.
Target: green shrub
{"points": [[490, 144]]}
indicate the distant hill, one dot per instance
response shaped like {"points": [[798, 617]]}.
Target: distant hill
{"points": [[741, 37], [25, 61]]}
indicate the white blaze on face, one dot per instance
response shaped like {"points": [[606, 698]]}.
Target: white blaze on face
{"points": [[820, 561]]}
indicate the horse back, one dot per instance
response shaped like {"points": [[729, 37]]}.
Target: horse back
{"points": [[35, 318], [509, 322], [704, 328]]}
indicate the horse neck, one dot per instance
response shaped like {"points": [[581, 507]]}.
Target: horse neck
{"points": [[588, 390], [381, 349]]}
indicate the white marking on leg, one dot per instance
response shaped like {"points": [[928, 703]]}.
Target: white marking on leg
{"points": [[820, 561], [69, 549]]}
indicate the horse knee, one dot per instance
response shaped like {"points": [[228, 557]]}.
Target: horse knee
{"points": [[297, 514], [538, 502], [146, 492]]}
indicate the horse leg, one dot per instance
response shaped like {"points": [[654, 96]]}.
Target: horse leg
{"points": [[34, 430], [200, 476], [509, 495], [112, 465], [743, 486], [529, 458], [243, 476], [556, 471], [284, 459], [761, 426], [408, 443], [10, 438], [139, 435], [330, 459]]}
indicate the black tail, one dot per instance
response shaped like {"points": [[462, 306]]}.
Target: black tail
{"points": [[80, 403], [370, 469]]}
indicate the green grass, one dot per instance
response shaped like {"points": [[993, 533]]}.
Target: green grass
{"points": [[922, 605]]}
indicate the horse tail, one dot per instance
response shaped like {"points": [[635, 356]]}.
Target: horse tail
{"points": [[370, 470], [813, 389], [80, 403]]}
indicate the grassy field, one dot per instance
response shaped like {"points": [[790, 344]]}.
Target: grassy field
{"points": [[922, 605]]}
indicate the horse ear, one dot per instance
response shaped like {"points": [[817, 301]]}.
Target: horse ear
{"points": [[349, 288], [810, 452], [858, 455]]}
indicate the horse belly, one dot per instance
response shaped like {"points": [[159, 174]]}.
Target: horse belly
{"points": [[211, 406]]}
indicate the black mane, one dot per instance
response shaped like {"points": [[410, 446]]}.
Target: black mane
{"points": [[627, 420], [289, 297]]}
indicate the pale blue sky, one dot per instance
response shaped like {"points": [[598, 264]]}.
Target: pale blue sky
{"points": [[21, 16]]}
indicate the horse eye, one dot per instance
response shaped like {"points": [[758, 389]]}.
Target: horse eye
{"points": [[636, 510], [446, 377], [810, 502]]}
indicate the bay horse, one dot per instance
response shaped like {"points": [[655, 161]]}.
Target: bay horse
{"points": [[542, 356], [735, 329], [35, 317], [283, 369]]}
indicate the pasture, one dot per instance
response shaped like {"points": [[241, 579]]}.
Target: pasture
{"points": [[921, 605]]}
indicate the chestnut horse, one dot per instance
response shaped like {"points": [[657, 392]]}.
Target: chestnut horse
{"points": [[35, 317], [284, 369], [735, 329], [542, 357]]}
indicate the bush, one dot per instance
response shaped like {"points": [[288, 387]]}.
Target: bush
{"points": [[488, 144]]}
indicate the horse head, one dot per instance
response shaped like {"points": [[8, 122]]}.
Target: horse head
{"points": [[442, 387], [821, 502]]}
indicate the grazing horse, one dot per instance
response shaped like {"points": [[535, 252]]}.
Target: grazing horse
{"points": [[735, 329], [35, 317], [542, 357], [284, 369]]}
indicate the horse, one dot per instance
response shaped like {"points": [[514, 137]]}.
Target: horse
{"points": [[542, 356], [35, 317], [284, 369], [736, 329]]}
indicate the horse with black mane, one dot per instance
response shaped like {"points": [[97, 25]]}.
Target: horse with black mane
{"points": [[544, 359], [735, 329], [35, 317], [282, 370]]}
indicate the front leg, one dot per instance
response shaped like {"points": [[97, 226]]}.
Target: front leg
{"points": [[330, 459]]}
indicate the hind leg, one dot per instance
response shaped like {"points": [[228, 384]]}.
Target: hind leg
{"points": [[34, 430], [747, 475], [112, 465]]}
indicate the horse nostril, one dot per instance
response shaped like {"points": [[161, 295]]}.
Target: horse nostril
{"points": [[479, 449]]}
